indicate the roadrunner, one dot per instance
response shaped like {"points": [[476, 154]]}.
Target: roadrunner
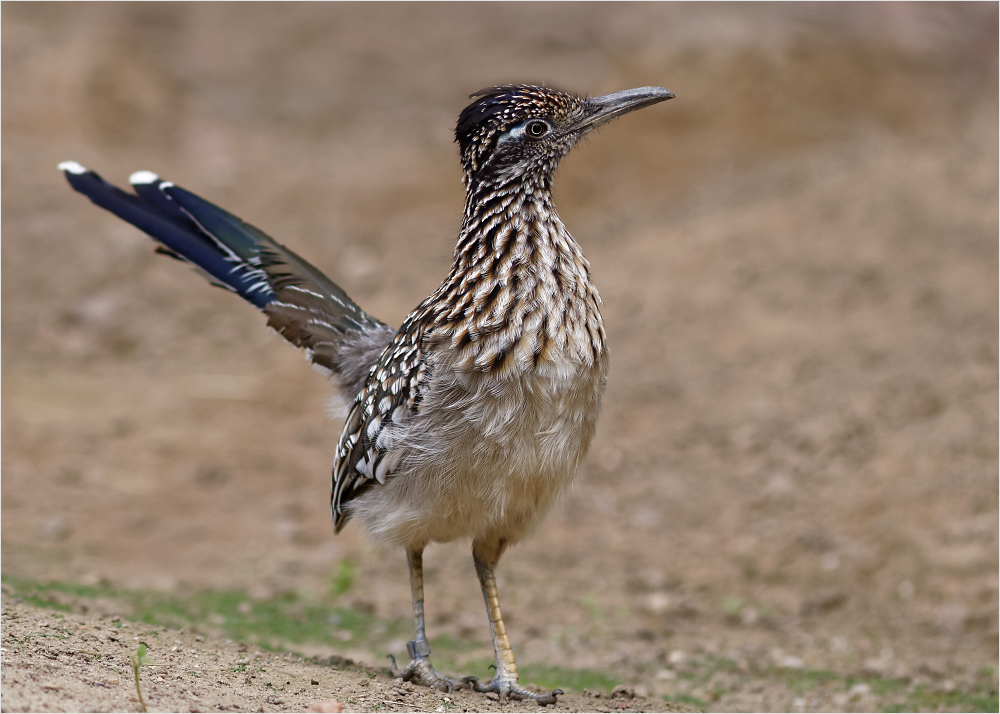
{"points": [[473, 417]]}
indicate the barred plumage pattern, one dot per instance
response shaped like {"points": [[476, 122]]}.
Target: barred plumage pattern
{"points": [[473, 416], [518, 299]]}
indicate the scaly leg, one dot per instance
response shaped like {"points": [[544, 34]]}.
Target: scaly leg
{"points": [[419, 670], [504, 682]]}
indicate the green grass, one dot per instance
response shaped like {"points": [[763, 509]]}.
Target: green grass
{"points": [[283, 621], [449, 646], [49, 594], [549, 677], [980, 698], [890, 695], [139, 659], [688, 700], [343, 579], [273, 623], [802, 681]]}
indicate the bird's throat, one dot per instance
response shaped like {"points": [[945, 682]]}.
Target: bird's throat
{"points": [[519, 290]]}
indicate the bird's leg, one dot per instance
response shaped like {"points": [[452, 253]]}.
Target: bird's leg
{"points": [[419, 670], [504, 683]]}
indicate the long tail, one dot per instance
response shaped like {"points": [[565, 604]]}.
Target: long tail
{"points": [[302, 304]]}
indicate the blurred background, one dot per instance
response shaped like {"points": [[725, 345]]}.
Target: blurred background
{"points": [[797, 457]]}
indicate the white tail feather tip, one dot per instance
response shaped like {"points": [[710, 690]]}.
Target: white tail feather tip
{"points": [[143, 177], [72, 167]]}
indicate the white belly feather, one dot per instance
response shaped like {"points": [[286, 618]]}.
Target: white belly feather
{"points": [[486, 456]]}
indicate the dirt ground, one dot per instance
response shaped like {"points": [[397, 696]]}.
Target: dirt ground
{"points": [[87, 668], [795, 470]]}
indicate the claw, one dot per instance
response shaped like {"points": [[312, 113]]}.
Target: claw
{"points": [[419, 671], [506, 689]]}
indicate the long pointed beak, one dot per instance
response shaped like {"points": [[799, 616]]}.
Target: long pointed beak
{"points": [[612, 106]]}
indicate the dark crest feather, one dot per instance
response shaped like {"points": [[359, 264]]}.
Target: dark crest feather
{"points": [[490, 101], [497, 109]]}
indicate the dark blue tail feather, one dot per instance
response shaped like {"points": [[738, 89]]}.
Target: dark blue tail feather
{"points": [[305, 306], [155, 213]]}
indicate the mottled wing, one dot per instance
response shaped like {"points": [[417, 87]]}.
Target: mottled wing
{"points": [[366, 453]]}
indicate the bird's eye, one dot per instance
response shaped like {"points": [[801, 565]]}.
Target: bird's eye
{"points": [[536, 129]]}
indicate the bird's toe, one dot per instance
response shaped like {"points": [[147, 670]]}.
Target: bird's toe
{"points": [[510, 689], [421, 671]]}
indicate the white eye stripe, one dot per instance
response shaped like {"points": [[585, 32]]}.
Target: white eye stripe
{"points": [[516, 133], [521, 130]]}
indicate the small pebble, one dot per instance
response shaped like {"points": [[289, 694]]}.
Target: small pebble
{"points": [[859, 690], [326, 706]]}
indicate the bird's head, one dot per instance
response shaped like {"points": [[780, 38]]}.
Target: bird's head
{"points": [[515, 130]]}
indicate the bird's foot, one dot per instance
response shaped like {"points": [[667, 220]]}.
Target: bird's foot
{"points": [[419, 671], [510, 689]]}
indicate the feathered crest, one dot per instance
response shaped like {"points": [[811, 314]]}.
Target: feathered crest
{"points": [[497, 109]]}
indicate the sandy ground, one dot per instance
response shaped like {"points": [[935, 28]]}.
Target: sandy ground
{"points": [[796, 465], [79, 664]]}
